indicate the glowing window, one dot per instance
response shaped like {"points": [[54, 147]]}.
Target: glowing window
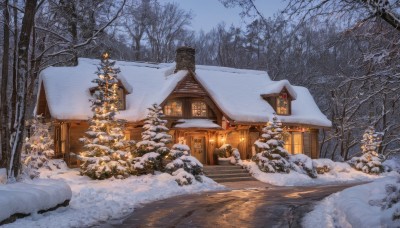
{"points": [[199, 109], [297, 143], [173, 108], [288, 143], [282, 104], [294, 143]]}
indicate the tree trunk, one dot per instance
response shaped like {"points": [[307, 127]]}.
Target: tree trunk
{"points": [[22, 78], [4, 85]]}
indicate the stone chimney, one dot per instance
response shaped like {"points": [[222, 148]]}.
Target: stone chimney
{"points": [[185, 59]]}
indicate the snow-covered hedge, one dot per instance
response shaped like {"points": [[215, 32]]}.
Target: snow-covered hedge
{"points": [[330, 173], [32, 196]]}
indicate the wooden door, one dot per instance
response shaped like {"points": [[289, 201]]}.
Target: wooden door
{"points": [[198, 148]]}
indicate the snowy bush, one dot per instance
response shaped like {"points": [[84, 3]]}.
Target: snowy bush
{"points": [[154, 140], [323, 165], [106, 151], [37, 148], [181, 159], [370, 161], [225, 151], [391, 200], [147, 164], [272, 157], [235, 158], [303, 164], [183, 177]]}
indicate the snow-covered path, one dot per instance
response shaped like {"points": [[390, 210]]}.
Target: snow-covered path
{"points": [[270, 206]]}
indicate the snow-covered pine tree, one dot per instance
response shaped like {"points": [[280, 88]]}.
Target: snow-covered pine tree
{"points": [[104, 157], [272, 156], [183, 166], [370, 161], [152, 150], [37, 148]]}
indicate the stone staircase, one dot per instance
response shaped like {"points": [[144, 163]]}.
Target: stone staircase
{"points": [[226, 172]]}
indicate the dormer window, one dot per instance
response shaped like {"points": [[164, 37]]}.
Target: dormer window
{"points": [[173, 108], [199, 109], [280, 101], [282, 104]]}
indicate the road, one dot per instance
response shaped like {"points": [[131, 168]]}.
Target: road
{"points": [[267, 206]]}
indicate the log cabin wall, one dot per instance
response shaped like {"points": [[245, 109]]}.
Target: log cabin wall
{"points": [[67, 134]]}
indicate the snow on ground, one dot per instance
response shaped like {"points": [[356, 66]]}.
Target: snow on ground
{"points": [[95, 201], [340, 173], [31, 196], [352, 208]]}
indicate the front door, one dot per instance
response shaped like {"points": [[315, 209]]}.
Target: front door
{"points": [[198, 148]]}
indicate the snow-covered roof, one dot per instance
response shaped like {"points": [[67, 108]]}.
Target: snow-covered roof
{"points": [[278, 86], [236, 91], [196, 123]]}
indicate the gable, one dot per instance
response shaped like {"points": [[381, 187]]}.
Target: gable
{"points": [[189, 86]]}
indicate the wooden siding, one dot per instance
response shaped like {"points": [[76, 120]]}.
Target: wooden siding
{"points": [[314, 144], [189, 85], [241, 137], [307, 143]]}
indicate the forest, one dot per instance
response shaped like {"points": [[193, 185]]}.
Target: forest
{"points": [[345, 52]]}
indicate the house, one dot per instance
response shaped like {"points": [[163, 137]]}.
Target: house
{"points": [[206, 106]]}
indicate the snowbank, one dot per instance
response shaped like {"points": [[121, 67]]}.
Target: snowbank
{"points": [[96, 201], [352, 208], [339, 173], [32, 196]]}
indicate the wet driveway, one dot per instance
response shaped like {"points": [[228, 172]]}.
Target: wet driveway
{"points": [[263, 206]]}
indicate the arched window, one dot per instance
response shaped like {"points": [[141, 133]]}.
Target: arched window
{"points": [[199, 109], [282, 104], [173, 108]]}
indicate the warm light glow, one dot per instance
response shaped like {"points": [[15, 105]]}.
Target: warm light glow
{"points": [[242, 139]]}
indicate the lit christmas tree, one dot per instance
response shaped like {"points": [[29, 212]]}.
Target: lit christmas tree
{"points": [[272, 156], [107, 152], [370, 161], [37, 148], [152, 150]]}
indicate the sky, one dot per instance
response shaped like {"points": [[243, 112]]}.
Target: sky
{"points": [[208, 13]]}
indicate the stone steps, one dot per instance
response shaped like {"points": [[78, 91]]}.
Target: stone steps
{"points": [[227, 173]]}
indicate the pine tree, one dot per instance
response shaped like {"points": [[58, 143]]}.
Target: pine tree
{"points": [[152, 150], [105, 154], [184, 166], [272, 156], [370, 161], [37, 148]]}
